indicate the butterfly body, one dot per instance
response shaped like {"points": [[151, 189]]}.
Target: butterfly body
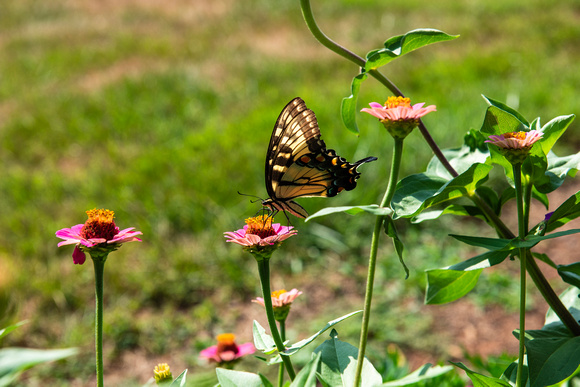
{"points": [[299, 165]]}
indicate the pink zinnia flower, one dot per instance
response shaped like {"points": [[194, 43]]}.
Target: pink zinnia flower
{"points": [[227, 351], [98, 233], [398, 109], [516, 140], [260, 231], [281, 302]]}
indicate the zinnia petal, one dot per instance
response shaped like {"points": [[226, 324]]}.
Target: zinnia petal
{"points": [[78, 256]]}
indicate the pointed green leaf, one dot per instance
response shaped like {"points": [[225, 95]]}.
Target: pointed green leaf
{"points": [[232, 378], [571, 300], [505, 108], [338, 364], [391, 231], [553, 130], [10, 328], [422, 373], [307, 375], [453, 209], [265, 381], [533, 240], [292, 349], [488, 243], [352, 210], [15, 360], [566, 212], [570, 273], [348, 106], [180, 381], [498, 121], [480, 380], [488, 259], [402, 44], [474, 150], [420, 191], [263, 341], [544, 258], [444, 286], [558, 168]]}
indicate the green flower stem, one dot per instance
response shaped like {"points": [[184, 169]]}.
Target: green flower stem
{"points": [[99, 264], [522, 230], [395, 167], [264, 270], [527, 203], [283, 336]]}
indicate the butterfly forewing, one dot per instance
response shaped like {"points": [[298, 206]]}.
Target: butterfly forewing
{"points": [[299, 165]]}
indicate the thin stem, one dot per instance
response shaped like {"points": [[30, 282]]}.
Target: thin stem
{"points": [[264, 270], [395, 166], [522, 229], [283, 336], [99, 265]]}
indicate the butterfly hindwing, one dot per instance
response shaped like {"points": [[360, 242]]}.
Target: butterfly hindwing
{"points": [[299, 165]]}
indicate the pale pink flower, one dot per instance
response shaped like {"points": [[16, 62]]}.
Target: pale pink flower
{"points": [[280, 298], [226, 350], [398, 109], [98, 232], [516, 140], [260, 231]]}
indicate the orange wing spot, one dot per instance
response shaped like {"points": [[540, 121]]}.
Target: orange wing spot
{"points": [[305, 159], [340, 189], [320, 158], [335, 161]]}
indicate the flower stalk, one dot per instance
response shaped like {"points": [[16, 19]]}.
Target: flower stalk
{"points": [[394, 175], [99, 265]]}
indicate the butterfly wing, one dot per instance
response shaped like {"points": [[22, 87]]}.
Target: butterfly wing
{"points": [[299, 165]]}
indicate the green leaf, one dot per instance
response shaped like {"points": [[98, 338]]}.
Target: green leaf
{"points": [[263, 341], [553, 130], [307, 375], [352, 210], [482, 261], [15, 360], [180, 380], [553, 355], [480, 380], [570, 273], [566, 212], [498, 121], [232, 378], [558, 168], [420, 191], [338, 363], [423, 373], [348, 106], [400, 45], [292, 349], [544, 258], [452, 209], [265, 381], [10, 328], [391, 231], [505, 108], [570, 299], [473, 151], [533, 240], [488, 243], [444, 285]]}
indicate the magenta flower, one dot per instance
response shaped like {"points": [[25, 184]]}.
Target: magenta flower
{"points": [[98, 233], [516, 140], [226, 352], [398, 116], [260, 231]]}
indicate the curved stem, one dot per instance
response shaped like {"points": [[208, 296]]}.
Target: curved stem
{"points": [[522, 227], [264, 270], [283, 336], [395, 166], [99, 265]]}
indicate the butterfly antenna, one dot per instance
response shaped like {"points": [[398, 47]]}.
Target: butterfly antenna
{"points": [[251, 196]]}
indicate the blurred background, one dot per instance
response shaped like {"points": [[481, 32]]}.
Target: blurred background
{"points": [[162, 111]]}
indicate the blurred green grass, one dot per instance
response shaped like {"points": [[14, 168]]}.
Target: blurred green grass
{"points": [[162, 112]]}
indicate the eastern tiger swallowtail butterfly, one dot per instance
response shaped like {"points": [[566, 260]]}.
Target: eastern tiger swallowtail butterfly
{"points": [[299, 165]]}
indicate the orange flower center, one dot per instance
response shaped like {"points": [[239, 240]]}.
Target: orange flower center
{"points": [[516, 135], [227, 343], [278, 293], [260, 226], [393, 102], [99, 225]]}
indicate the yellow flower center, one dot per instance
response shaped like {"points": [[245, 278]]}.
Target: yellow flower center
{"points": [[260, 226], [99, 225], [162, 373], [393, 102], [278, 293], [516, 135], [226, 342]]}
